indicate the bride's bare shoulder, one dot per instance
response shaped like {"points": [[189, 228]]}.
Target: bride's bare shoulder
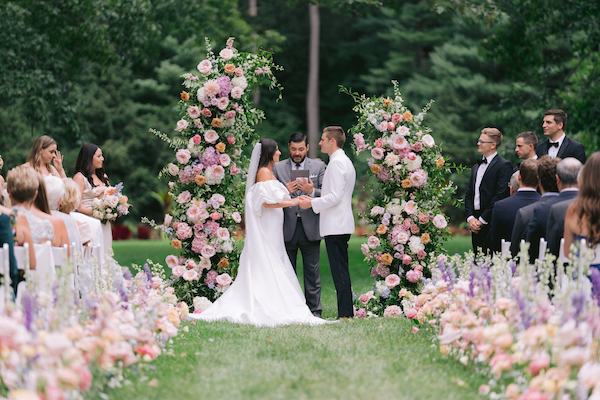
{"points": [[264, 174]]}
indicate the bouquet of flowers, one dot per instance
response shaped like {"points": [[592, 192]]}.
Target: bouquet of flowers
{"points": [[407, 223], [111, 204], [215, 118]]}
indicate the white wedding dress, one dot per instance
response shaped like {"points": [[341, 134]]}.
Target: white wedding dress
{"points": [[266, 291]]}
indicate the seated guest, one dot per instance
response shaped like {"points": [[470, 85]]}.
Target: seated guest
{"points": [[566, 179], [526, 144], [41, 209], [55, 188], [44, 153], [6, 237], [582, 220], [505, 211], [71, 199], [513, 185], [547, 185]]}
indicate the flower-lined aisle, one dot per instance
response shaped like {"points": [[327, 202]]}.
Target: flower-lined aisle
{"points": [[206, 181], [536, 336], [404, 211], [60, 344]]}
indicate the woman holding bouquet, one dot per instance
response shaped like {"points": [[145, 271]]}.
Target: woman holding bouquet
{"points": [[92, 181]]}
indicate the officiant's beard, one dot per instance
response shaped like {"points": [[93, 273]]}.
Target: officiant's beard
{"points": [[298, 158]]}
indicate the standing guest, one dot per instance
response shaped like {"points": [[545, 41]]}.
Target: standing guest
{"points": [[92, 181], [337, 220], [488, 184], [526, 144], [301, 227], [566, 180], [43, 154], [505, 211], [582, 220], [55, 189], [514, 183], [547, 186], [558, 144]]}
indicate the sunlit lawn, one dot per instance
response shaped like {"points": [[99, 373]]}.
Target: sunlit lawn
{"points": [[360, 359]]}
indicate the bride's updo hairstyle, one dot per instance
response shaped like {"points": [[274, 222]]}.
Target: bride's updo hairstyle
{"points": [[85, 164], [268, 150]]}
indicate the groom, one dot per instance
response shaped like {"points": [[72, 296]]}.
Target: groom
{"points": [[335, 207], [301, 227]]}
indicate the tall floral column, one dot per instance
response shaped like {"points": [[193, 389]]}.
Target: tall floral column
{"points": [[404, 211], [206, 181]]}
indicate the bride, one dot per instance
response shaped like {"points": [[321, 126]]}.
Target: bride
{"points": [[266, 291]]}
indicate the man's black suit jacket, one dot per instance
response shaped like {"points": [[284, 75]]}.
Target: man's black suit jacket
{"points": [[569, 148], [504, 214], [556, 225], [494, 187], [537, 227], [522, 219]]}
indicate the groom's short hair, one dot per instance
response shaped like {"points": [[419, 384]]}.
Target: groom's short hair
{"points": [[336, 133], [298, 137]]}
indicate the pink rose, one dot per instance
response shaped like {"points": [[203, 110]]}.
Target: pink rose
{"points": [[168, 220], [421, 254], [229, 114], [411, 314], [392, 281], [218, 171], [428, 141], [239, 72], [237, 217], [204, 67], [439, 221], [226, 54], [191, 275], [173, 169], [178, 271], [193, 112], [224, 160], [373, 242], [224, 280], [206, 113], [231, 139], [184, 197], [208, 251], [183, 156], [418, 146], [397, 117], [222, 103], [414, 276], [377, 153], [406, 259], [196, 139], [364, 298], [379, 143], [215, 216], [237, 92], [390, 126], [211, 136], [418, 267], [181, 125]]}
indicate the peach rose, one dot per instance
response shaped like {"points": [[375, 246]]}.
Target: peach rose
{"points": [[425, 238], [185, 96], [223, 263], [229, 68], [407, 116], [220, 147], [440, 162], [176, 243], [216, 123], [200, 180], [406, 183], [376, 169], [381, 229], [387, 259]]}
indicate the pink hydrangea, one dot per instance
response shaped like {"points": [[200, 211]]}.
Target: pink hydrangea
{"points": [[198, 244], [392, 311], [211, 277]]}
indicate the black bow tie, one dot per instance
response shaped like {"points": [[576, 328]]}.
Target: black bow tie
{"points": [[298, 165], [484, 161], [550, 144]]}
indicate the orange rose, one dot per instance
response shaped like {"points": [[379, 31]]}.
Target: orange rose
{"points": [[220, 147], [110, 192], [376, 169], [381, 229], [185, 96], [387, 102], [407, 116], [223, 263], [387, 259], [216, 123], [229, 68], [440, 162], [406, 183], [200, 180], [123, 200], [425, 238], [176, 243]]}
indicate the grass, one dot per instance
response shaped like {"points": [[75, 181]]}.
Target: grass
{"points": [[360, 359]]}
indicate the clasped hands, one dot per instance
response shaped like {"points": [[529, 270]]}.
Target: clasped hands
{"points": [[475, 225]]}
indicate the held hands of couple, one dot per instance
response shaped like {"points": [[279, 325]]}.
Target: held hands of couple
{"points": [[300, 184], [304, 202]]}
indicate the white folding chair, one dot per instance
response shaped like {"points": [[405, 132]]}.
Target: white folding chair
{"points": [[542, 252], [561, 252], [23, 262], [60, 255], [505, 248]]}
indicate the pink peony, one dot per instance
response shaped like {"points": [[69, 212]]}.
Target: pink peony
{"points": [[172, 261], [373, 242], [218, 171], [392, 280], [191, 275], [223, 280], [183, 156], [184, 197], [377, 153], [208, 251], [193, 112], [204, 67], [439, 221], [178, 271], [193, 214], [402, 130], [181, 125], [412, 313], [414, 276], [392, 312]]}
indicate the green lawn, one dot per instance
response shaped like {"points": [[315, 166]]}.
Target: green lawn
{"points": [[359, 359]]}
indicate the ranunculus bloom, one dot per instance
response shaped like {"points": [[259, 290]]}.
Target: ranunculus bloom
{"points": [[204, 67], [181, 125]]}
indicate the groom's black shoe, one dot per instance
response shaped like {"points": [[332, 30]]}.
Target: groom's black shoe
{"points": [[317, 314]]}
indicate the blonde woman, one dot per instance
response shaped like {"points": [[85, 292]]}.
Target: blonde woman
{"points": [[43, 155]]}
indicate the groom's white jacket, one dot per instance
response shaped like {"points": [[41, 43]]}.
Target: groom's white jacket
{"points": [[335, 203]]}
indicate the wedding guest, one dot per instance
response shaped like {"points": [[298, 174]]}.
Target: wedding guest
{"points": [[301, 227], [92, 181], [3, 192], [547, 185], [526, 144], [6, 237], [335, 208], [43, 154], [582, 220], [41, 209], [514, 183], [55, 188], [566, 181], [68, 205], [488, 184], [558, 144], [505, 211]]}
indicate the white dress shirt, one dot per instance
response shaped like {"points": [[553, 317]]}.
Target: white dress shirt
{"points": [[477, 198], [335, 203], [553, 151]]}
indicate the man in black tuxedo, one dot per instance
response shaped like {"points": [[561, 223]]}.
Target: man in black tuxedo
{"points": [[547, 185], [505, 211], [525, 146], [566, 179], [558, 144], [488, 184]]}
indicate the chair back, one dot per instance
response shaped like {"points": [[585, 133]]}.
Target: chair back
{"points": [[505, 248]]}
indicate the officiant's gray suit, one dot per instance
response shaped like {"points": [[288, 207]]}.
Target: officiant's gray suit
{"points": [[301, 230]]}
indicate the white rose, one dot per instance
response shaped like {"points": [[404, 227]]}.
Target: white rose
{"points": [[415, 244], [428, 141], [227, 246], [240, 81]]}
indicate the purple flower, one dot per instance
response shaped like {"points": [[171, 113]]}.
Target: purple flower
{"points": [[29, 309]]}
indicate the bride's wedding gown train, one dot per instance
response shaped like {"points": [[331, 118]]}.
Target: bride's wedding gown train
{"points": [[266, 291]]}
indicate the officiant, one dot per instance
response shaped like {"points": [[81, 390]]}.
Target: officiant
{"points": [[303, 176]]}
